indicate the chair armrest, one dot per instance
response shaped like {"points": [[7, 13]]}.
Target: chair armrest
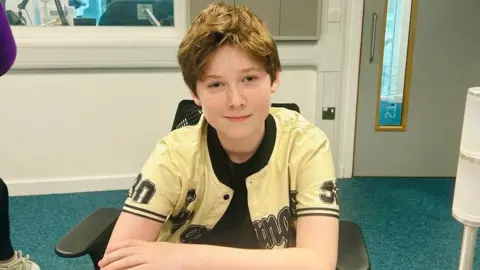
{"points": [[82, 238]]}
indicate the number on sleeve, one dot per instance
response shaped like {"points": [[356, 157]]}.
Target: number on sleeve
{"points": [[329, 192], [142, 190]]}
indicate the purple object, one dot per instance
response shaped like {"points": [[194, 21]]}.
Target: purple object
{"points": [[8, 49]]}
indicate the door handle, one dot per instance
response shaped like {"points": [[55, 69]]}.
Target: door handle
{"points": [[374, 36]]}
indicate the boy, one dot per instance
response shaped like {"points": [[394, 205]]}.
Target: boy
{"points": [[249, 186]]}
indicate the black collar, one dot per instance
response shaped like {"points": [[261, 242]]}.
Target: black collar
{"points": [[222, 164]]}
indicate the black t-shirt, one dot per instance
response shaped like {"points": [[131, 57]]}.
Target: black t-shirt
{"points": [[235, 228]]}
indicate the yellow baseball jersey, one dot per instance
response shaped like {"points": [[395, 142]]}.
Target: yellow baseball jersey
{"points": [[188, 183]]}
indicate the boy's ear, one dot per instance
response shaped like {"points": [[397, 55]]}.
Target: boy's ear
{"points": [[276, 82], [195, 98]]}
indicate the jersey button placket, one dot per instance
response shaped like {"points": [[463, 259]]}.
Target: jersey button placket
{"points": [[252, 202]]}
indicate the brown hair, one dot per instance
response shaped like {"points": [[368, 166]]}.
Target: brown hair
{"points": [[220, 24]]}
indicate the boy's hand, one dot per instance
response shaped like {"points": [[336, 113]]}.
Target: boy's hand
{"points": [[141, 255]]}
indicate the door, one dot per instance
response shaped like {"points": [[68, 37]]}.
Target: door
{"points": [[413, 82]]}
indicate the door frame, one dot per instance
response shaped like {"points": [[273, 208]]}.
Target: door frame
{"points": [[352, 40]]}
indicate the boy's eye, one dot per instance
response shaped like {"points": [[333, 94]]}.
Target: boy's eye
{"points": [[214, 85], [250, 78]]}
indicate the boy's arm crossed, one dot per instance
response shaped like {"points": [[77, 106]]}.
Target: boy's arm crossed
{"points": [[315, 250]]}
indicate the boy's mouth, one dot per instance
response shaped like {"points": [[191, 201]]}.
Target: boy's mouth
{"points": [[238, 118]]}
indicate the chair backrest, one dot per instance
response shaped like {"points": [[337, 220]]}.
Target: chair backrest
{"points": [[188, 113]]}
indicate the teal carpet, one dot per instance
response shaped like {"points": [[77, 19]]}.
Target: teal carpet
{"points": [[407, 223]]}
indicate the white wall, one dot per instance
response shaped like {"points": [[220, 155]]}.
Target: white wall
{"points": [[72, 130]]}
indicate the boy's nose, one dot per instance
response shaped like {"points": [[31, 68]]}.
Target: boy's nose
{"points": [[236, 99]]}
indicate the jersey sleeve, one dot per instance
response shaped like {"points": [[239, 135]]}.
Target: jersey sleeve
{"points": [[316, 180], [156, 188]]}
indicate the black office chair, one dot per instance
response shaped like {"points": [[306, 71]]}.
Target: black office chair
{"points": [[91, 236]]}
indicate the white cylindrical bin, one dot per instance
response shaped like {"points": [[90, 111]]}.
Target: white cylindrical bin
{"points": [[470, 143], [466, 203]]}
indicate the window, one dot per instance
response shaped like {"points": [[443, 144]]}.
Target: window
{"points": [[396, 65], [135, 43], [98, 23], [90, 12]]}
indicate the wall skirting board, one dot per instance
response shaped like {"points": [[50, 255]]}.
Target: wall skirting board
{"points": [[70, 185]]}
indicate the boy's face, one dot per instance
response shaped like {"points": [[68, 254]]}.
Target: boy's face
{"points": [[235, 94]]}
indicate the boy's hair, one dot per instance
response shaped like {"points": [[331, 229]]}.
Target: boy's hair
{"points": [[220, 24]]}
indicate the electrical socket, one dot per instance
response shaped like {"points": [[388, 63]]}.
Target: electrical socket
{"points": [[333, 15]]}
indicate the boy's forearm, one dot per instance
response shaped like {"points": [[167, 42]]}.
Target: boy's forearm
{"points": [[212, 257]]}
